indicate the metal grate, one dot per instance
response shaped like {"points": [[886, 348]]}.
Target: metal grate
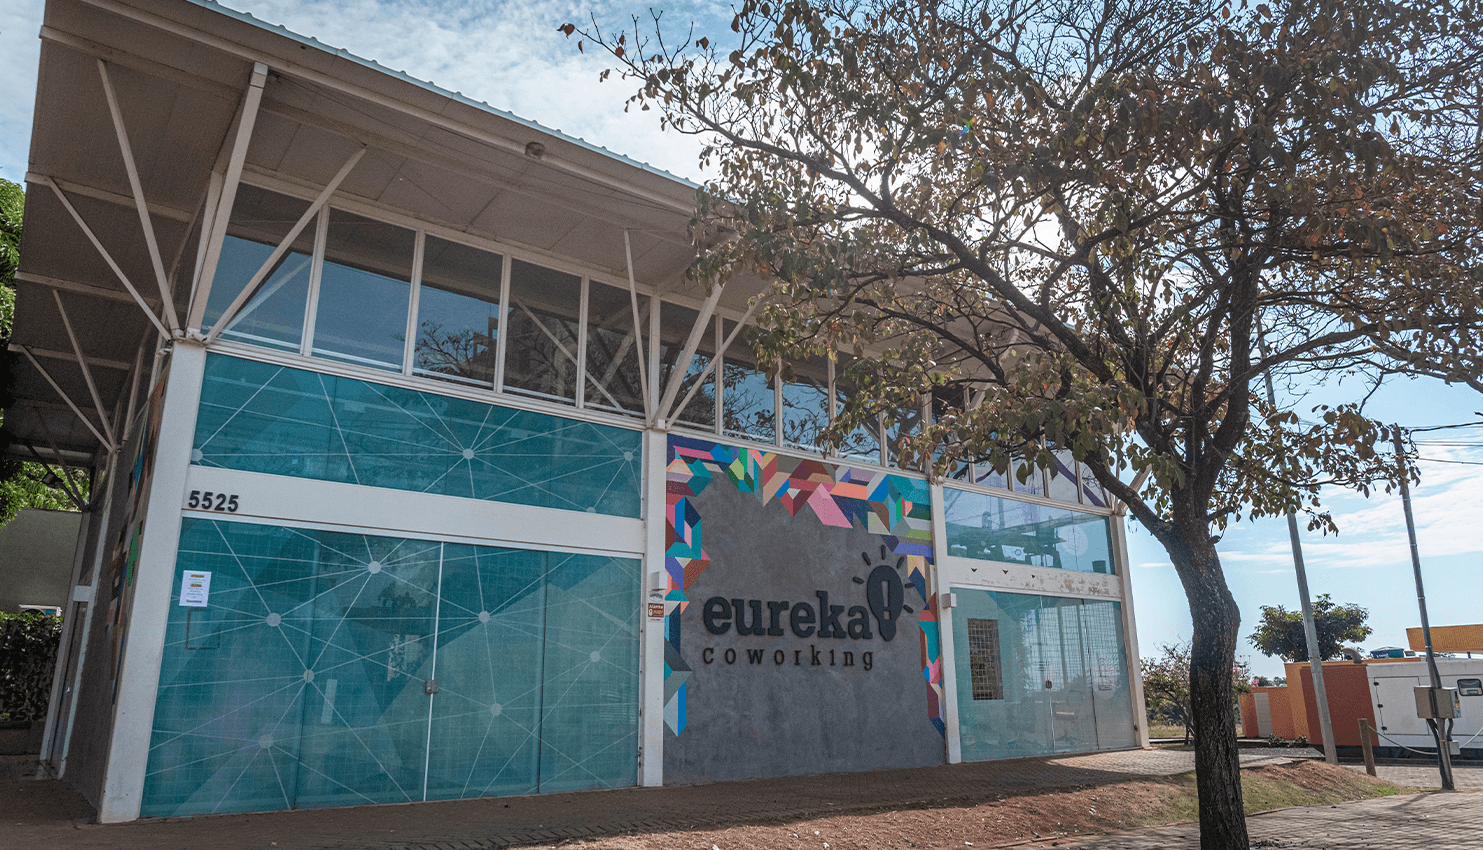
{"points": [[983, 659]]}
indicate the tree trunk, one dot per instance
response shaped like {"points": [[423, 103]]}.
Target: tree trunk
{"points": [[1217, 623]]}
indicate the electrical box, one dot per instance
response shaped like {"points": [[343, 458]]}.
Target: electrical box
{"points": [[1437, 703]]}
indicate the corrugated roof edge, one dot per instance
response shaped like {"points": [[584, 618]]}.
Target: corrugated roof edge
{"points": [[433, 87]]}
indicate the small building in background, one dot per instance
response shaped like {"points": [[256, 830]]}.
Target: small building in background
{"points": [[36, 553]]}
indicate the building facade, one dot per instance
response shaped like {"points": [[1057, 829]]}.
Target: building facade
{"points": [[425, 473]]}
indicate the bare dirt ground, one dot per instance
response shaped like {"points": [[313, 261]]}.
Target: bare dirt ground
{"points": [[1046, 819]]}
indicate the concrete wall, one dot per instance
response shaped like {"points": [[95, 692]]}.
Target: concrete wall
{"points": [[749, 715], [1348, 687], [36, 550]]}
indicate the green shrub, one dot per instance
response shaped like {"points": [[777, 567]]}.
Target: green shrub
{"points": [[28, 654]]}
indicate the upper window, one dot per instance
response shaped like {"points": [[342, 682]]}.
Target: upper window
{"points": [[545, 327], [458, 314], [274, 315], [365, 287], [991, 528], [614, 380]]}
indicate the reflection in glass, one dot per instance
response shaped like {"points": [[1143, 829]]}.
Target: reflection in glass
{"points": [[907, 425], [984, 474], [612, 350], [749, 407], [275, 315], [458, 313], [541, 354], [951, 401], [993, 529], [365, 288], [1064, 675], [863, 443], [1091, 490], [1026, 476], [675, 324], [1063, 478], [806, 405]]}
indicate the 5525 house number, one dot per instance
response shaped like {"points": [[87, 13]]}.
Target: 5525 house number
{"points": [[209, 501]]}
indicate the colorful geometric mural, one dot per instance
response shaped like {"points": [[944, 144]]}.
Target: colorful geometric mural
{"points": [[895, 507]]}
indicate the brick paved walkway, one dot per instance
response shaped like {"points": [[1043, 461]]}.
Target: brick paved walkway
{"points": [[1468, 778], [37, 814], [1412, 822]]}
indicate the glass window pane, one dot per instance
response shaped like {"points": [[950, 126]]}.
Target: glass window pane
{"points": [[749, 407], [541, 353], [458, 313], [675, 323], [907, 424], [1102, 644], [806, 405], [364, 291], [1016, 722], [1063, 478], [994, 529], [1091, 490], [1026, 476], [612, 349], [275, 315], [863, 443], [950, 401], [984, 474]]}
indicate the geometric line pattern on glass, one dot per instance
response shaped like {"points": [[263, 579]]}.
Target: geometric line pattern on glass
{"points": [[301, 684], [258, 417], [895, 508]]}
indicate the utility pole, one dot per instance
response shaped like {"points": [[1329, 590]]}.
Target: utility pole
{"points": [[1310, 627], [1441, 729]]}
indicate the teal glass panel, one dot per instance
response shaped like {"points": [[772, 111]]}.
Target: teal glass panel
{"points": [[1102, 644], [486, 715], [1014, 719], [993, 529], [260, 417], [589, 721], [1073, 717], [305, 680], [300, 683], [365, 726], [232, 690], [1038, 675]]}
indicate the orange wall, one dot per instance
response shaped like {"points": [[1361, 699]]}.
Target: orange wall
{"points": [[1249, 727], [1279, 701], [1348, 687]]}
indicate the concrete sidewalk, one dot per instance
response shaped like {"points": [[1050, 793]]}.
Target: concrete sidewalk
{"points": [[43, 814], [1444, 821]]}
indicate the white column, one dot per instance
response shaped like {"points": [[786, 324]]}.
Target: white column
{"points": [[651, 638], [87, 524], [945, 629], [138, 681], [1130, 628]]}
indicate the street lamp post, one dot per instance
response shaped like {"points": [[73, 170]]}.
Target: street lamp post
{"points": [[1441, 730]]}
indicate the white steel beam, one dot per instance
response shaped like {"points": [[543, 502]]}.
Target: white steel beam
{"points": [[70, 403], [83, 190], [702, 322], [198, 310], [108, 258], [247, 118], [81, 288], [87, 373], [638, 334], [70, 358], [139, 203], [711, 366]]}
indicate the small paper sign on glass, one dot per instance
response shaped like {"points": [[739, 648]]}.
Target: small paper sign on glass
{"points": [[195, 588]]}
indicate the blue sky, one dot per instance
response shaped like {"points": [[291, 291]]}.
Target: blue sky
{"points": [[509, 55]]}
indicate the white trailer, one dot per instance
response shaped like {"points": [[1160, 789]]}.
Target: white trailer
{"points": [[1392, 695]]}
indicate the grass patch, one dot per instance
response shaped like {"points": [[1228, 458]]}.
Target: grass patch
{"points": [[1166, 731], [1305, 783]]}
